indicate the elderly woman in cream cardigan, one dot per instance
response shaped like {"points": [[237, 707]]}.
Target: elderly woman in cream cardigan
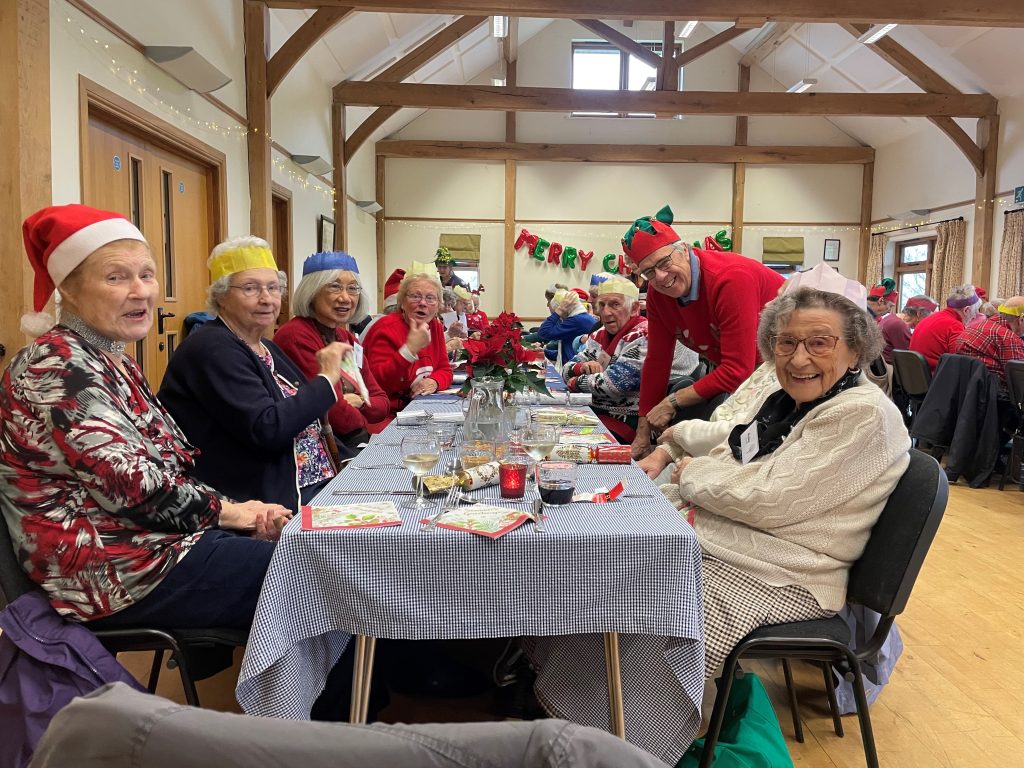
{"points": [[785, 483]]}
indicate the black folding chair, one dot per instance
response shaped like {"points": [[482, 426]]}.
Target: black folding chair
{"points": [[14, 583], [880, 580], [1015, 461], [913, 377]]}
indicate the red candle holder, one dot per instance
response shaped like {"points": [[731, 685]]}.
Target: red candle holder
{"points": [[512, 476]]}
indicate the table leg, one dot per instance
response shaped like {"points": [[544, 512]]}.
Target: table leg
{"points": [[611, 660], [362, 678]]}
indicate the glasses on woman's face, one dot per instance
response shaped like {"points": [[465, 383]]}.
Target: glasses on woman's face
{"points": [[417, 298], [336, 289], [661, 265], [817, 346], [252, 290]]}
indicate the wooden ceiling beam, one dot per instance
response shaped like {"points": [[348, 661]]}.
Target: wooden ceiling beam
{"points": [[927, 78], [623, 42], [758, 47], [296, 46], [403, 68], [623, 153], [991, 13], [662, 103], [716, 41]]}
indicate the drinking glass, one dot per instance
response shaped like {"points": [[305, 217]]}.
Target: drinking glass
{"points": [[444, 433], [420, 454], [556, 482], [517, 418], [538, 440]]}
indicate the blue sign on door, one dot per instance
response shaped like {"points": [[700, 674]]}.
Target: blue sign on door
{"points": [[1018, 194], [181, 187], [117, 162]]}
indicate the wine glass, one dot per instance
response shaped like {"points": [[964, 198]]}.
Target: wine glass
{"points": [[420, 454], [556, 482], [538, 440], [517, 418]]}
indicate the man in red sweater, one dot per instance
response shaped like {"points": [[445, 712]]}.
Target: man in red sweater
{"points": [[936, 334], [895, 332], [708, 300]]}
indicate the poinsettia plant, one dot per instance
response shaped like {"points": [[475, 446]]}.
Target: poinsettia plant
{"points": [[499, 352]]}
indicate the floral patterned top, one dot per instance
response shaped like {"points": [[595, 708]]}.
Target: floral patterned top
{"points": [[311, 459], [94, 477]]}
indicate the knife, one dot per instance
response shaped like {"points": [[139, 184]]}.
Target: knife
{"points": [[372, 493]]}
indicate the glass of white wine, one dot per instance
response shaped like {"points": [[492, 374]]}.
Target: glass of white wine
{"points": [[538, 440], [420, 454]]}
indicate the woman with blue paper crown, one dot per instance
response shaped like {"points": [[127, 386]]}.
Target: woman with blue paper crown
{"points": [[328, 300], [238, 397]]}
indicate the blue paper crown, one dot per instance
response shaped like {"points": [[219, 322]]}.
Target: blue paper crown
{"points": [[597, 278], [319, 262]]}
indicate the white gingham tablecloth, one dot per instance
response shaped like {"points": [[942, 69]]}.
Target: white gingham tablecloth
{"points": [[632, 566]]}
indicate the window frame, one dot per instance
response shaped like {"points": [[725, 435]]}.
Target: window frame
{"points": [[654, 46], [901, 268]]}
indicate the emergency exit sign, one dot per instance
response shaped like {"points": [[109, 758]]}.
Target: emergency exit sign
{"points": [[1018, 194]]}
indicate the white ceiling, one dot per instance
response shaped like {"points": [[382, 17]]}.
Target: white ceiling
{"points": [[975, 60]]}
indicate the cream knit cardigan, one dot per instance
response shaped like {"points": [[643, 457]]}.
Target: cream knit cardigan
{"points": [[802, 514]]}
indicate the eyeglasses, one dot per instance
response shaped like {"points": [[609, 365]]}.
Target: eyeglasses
{"points": [[818, 346], [335, 288], [661, 266], [252, 290], [416, 298]]}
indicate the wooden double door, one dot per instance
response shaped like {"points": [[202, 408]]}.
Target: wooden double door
{"points": [[171, 198]]}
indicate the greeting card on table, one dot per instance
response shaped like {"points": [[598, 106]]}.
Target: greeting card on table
{"points": [[371, 514], [482, 519]]}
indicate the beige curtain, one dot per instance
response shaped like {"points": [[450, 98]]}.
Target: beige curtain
{"points": [[948, 261], [1011, 257], [873, 275]]}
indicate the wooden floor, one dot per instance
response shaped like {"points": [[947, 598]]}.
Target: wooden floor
{"points": [[956, 699]]}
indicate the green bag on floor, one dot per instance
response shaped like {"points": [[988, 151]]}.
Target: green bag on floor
{"points": [[750, 737]]}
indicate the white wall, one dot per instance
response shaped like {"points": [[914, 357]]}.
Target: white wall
{"points": [[79, 46]]}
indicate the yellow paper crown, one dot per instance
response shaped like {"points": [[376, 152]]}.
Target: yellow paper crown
{"points": [[618, 285], [424, 268], [1011, 311], [239, 259], [462, 293]]}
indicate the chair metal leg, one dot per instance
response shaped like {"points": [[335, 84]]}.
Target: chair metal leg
{"points": [[187, 683], [866, 732], [154, 671], [718, 712], [833, 705], [794, 705]]}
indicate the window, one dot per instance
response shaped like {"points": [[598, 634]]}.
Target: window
{"points": [[600, 66], [913, 268]]}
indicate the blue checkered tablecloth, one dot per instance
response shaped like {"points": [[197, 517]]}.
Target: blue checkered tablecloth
{"points": [[632, 566]]}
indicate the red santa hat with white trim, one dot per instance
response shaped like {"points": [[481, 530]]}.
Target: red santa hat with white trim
{"points": [[60, 237], [391, 286]]}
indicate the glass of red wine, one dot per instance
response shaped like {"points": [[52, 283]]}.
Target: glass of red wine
{"points": [[556, 481]]}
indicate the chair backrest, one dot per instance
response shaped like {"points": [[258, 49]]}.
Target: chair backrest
{"points": [[911, 371], [14, 582], [1015, 382], [885, 573]]}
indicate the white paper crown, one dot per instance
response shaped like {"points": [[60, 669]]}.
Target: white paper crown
{"points": [[824, 278]]}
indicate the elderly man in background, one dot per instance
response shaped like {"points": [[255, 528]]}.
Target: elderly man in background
{"points": [[895, 332], [936, 334], [917, 309], [609, 364], [708, 300], [445, 264], [996, 341]]}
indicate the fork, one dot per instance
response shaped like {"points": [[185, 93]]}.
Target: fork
{"points": [[432, 521]]}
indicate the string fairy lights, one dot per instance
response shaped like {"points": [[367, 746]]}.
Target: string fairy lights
{"points": [[115, 56]]}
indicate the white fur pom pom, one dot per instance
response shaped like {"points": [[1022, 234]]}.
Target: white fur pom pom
{"points": [[35, 324]]}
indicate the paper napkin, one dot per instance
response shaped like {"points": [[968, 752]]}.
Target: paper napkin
{"points": [[372, 514], [482, 519]]}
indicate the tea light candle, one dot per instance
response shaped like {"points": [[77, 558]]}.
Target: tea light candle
{"points": [[512, 479]]}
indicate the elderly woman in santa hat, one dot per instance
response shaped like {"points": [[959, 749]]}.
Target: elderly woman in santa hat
{"points": [[94, 474], [327, 301], [251, 411], [407, 349]]}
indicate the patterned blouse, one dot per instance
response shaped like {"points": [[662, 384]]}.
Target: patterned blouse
{"points": [[311, 459], [94, 480]]}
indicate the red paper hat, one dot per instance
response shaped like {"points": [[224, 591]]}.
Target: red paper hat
{"points": [[59, 238], [391, 286], [921, 302], [584, 296], [648, 234], [982, 293], [885, 290]]}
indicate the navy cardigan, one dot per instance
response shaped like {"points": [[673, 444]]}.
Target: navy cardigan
{"points": [[229, 406]]}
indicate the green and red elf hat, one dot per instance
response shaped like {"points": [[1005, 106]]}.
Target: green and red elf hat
{"points": [[885, 290], [648, 234]]}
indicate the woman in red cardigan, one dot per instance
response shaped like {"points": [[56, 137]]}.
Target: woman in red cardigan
{"points": [[406, 350], [327, 300]]}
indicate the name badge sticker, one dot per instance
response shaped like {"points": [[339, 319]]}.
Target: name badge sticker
{"points": [[357, 355], [748, 443]]}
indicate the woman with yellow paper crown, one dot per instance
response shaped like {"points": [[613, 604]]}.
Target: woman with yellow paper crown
{"points": [[328, 300], [407, 349], [247, 407]]}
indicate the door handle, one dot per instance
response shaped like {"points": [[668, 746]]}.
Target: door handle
{"points": [[160, 317]]}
